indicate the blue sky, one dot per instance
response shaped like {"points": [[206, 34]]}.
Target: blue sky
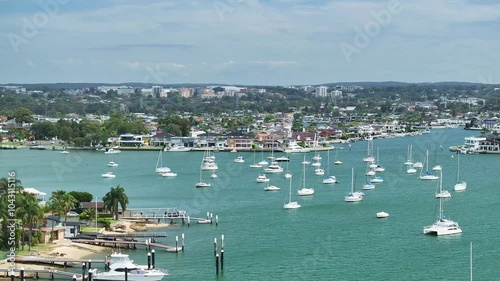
{"points": [[258, 42]]}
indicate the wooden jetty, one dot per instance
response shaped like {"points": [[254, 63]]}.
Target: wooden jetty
{"points": [[36, 273], [65, 262], [132, 235], [115, 243]]}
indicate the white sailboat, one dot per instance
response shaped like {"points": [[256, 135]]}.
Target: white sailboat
{"points": [[428, 174], [239, 159], [442, 226], [304, 191], [368, 184], [291, 204], [369, 151], [353, 196], [208, 163], [271, 188], [202, 183], [262, 161], [436, 167], [329, 179], [459, 185], [159, 164], [378, 167], [442, 193], [409, 155], [255, 164]]}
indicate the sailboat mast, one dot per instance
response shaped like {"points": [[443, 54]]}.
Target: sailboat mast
{"points": [[458, 167], [290, 192], [352, 180], [471, 261], [304, 175]]}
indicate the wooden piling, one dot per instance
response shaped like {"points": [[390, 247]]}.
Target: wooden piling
{"points": [[215, 246], [217, 264], [153, 258], [149, 260], [21, 274], [222, 259], [126, 274], [182, 242]]}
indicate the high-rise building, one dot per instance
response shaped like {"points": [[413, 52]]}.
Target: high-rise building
{"points": [[322, 91], [157, 90]]}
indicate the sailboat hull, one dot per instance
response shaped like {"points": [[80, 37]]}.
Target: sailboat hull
{"points": [[461, 186]]}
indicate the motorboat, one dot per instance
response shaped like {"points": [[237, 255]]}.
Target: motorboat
{"points": [[234, 150], [437, 168], [306, 162], [239, 159], [368, 186], [203, 184], [112, 151], [293, 147], [178, 148], [118, 263], [382, 215], [256, 165], [319, 172], [337, 162], [112, 164], [282, 159], [370, 173], [418, 165], [271, 188], [262, 178], [411, 170], [317, 157], [376, 180], [204, 221], [263, 162], [214, 175], [273, 168], [330, 180], [108, 175], [169, 175], [288, 175], [316, 164], [64, 152]]}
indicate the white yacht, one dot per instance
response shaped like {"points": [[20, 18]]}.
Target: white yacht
{"points": [[273, 168], [319, 172], [178, 148], [304, 191], [112, 151], [330, 180], [382, 215], [288, 175], [112, 164], [418, 165], [108, 175], [64, 152], [291, 204], [202, 184], [159, 164], [120, 262], [428, 175], [209, 164], [442, 193], [262, 178], [169, 175], [377, 180], [293, 147], [239, 159], [271, 188]]}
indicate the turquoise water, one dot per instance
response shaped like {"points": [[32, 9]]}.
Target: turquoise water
{"points": [[326, 239]]}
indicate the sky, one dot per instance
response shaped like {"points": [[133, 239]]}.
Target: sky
{"points": [[250, 42]]}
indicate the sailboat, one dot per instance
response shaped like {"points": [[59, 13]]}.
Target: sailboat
{"points": [[369, 157], [411, 166], [441, 192], [159, 165], [329, 179], [255, 164], [353, 196], [436, 167], [378, 168], [290, 204], [460, 185], [304, 191], [428, 174], [202, 183], [442, 226], [409, 155], [288, 174], [262, 161], [368, 184]]}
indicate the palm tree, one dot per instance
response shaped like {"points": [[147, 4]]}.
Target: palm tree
{"points": [[5, 214], [61, 203], [31, 213], [116, 196]]}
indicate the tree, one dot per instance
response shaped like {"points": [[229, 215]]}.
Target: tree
{"points": [[81, 196], [31, 214], [62, 202], [23, 115], [116, 196]]}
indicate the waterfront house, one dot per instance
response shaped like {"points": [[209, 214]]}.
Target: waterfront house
{"points": [[239, 142], [161, 138], [131, 140]]}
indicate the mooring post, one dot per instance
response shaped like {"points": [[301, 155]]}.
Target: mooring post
{"points": [[217, 264], [208, 215], [153, 258], [126, 274], [211, 218], [74, 277], [216, 220], [149, 260], [21, 274], [176, 244], [215, 246], [90, 276], [222, 242], [12, 277], [222, 259], [189, 221], [182, 242], [83, 269], [90, 264]]}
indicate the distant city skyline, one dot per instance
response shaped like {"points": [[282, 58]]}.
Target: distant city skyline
{"points": [[249, 42]]}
